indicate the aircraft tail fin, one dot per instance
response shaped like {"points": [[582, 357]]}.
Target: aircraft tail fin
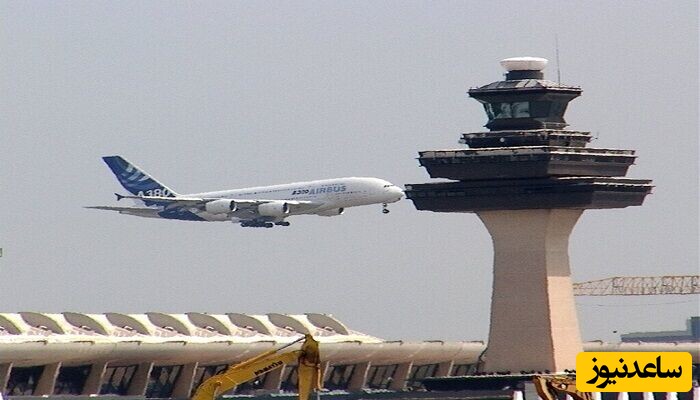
{"points": [[135, 180]]}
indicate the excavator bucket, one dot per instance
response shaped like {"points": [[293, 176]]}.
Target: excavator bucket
{"points": [[309, 368]]}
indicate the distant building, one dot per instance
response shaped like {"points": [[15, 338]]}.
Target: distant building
{"points": [[690, 335]]}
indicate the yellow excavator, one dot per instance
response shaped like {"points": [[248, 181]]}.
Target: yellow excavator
{"points": [[309, 370], [549, 386]]}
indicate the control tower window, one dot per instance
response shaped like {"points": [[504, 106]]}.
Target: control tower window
{"points": [[558, 108], [540, 109], [517, 109], [520, 109]]}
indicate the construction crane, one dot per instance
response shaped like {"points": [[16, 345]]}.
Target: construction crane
{"points": [[639, 285], [308, 370]]}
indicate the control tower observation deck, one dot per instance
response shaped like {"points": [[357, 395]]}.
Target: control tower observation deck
{"points": [[528, 179]]}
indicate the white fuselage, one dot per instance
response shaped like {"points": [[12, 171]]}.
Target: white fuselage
{"points": [[262, 206], [330, 194]]}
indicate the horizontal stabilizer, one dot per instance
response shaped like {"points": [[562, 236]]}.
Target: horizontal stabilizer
{"points": [[138, 211]]}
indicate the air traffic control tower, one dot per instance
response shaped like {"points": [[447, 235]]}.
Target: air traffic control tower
{"points": [[528, 179]]}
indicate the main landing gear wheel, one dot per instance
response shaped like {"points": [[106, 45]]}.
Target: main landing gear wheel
{"points": [[256, 224], [385, 210], [282, 223]]}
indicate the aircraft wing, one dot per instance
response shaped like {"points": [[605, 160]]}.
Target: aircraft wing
{"points": [[167, 202], [243, 206]]}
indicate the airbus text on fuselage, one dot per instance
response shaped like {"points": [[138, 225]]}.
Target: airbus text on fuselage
{"points": [[263, 206]]}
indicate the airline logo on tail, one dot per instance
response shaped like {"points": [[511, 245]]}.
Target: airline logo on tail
{"points": [[134, 180]]}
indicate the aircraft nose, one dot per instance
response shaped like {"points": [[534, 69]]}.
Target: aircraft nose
{"points": [[397, 191]]}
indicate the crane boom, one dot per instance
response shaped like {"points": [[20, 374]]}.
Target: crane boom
{"points": [[639, 285], [309, 370]]}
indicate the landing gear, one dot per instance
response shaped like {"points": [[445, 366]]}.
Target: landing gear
{"points": [[385, 209], [262, 224], [256, 224]]}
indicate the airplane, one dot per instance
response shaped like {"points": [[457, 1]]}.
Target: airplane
{"points": [[256, 207]]}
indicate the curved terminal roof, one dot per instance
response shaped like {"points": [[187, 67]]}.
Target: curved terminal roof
{"points": [[263, 325], [157, 327], [85, 322], [12, 324], [31, 338], [252, 323], [210, 324], [327, 323], [42, 321], [171, 322], [128, 323], [290, 323]]}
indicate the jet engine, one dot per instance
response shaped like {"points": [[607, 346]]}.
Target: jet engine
{"points": [[332, 212], [273, 209], [221, 206]]}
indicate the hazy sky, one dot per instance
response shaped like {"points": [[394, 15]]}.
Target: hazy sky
{"points": [[217, 95]]}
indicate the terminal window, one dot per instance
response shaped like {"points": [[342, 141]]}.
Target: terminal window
{"points": [[206, 372], [290, 377], [339, 377], [117, 379], [420, 372], [463, 369], [251, 387], [23, 380], [162, 380], [71, 380], [380, 376]]}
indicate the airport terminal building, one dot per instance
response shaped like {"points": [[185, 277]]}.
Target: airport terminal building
{"points": [[158, 355]]}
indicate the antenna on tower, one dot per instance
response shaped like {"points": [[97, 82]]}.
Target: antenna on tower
{"points": [[556, 45]]}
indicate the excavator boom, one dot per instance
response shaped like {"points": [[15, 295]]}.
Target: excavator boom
{"points": [[309, 371], [235, 375]]}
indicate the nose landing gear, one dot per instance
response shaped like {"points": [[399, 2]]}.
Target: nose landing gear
{"points": [[385, 209]]}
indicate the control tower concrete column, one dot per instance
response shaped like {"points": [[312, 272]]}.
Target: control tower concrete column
{"points": [[532, 291]]}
